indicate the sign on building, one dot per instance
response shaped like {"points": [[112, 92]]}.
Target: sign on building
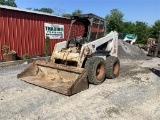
{"points": [[54, 31]]}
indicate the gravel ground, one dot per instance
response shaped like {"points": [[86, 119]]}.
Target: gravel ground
{"points": [[134, 95]]}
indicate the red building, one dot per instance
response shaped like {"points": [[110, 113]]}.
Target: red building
{"points": [[24, 31]]}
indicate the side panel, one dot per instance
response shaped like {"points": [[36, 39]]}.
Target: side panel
{"points": [[112, 38]]}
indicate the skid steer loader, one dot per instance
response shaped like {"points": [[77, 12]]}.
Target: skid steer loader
{"points": [[88, 56]]}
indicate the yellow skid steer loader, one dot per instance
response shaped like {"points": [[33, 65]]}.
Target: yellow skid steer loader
{"points": [[88, 56]]}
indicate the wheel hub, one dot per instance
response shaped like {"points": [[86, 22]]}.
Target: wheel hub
{"points": [[100, 71]]}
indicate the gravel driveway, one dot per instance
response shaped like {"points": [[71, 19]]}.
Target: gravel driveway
{"points": [[135, 94]]}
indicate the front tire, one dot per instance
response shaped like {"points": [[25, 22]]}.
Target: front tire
{"points": [[96, 70]]}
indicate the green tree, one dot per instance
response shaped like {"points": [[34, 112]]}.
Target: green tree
{"points": [[155, 29], [46, 10], [128, 27], [8, 3], [114, 20], [66, 15], [2, 2], [77, 12], [142, 31]]}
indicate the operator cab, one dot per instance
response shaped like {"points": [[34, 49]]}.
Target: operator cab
{"points": [[90, 27]]}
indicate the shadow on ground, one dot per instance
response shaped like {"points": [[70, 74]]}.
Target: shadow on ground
{"points": [[155, 71]]}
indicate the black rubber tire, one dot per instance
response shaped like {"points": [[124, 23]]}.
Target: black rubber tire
{"points": [[112, 67], [96, 70]]}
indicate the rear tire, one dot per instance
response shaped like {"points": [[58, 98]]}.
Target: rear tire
{"points": [[112, 67], [96, 70]]}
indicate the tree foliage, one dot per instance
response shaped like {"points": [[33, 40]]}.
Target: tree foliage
{"points": [[128, 27], [2, 2], [142, 31], [155, 29], [77, 12], [11, 3], [114, 20], [8, 3], [46, 10], [66, 15]]}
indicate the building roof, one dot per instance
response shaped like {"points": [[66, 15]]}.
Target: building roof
{"points": [[29, 11], [89, 15]]}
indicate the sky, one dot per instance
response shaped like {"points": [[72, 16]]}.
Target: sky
{"points": [[134, 10]]}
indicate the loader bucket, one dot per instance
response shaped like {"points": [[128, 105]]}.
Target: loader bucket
{"points": [[63, 79]]}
